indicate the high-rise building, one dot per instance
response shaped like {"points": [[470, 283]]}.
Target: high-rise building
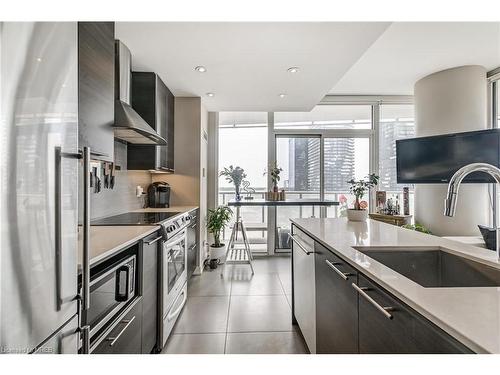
{"points": [[389, 133], [304, 162]]}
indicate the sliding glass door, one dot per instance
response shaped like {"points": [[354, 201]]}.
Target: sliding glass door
{"points": [[300, 159]]}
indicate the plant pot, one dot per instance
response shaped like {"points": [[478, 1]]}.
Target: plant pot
{"points": [[218, 252], [357, 215]]}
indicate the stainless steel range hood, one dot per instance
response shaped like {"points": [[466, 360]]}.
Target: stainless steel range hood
{"points": [[129, 125]]}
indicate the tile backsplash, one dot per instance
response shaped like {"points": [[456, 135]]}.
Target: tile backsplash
{"points": [[122, 198]]}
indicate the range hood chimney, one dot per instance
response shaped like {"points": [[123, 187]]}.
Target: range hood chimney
{"points": [[129, 125]]}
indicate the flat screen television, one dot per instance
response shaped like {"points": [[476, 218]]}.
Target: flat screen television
{"points": [[434, 160]]}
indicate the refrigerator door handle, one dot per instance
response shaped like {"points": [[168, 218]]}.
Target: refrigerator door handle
{"points": [[85, 305], [59, 155]]}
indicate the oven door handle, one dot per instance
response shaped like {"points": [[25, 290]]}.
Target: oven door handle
{"points": [[122, 297], [182, 237], [174, 313]]}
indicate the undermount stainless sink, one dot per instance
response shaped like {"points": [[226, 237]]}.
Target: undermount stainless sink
{"points": [[434, 268]]}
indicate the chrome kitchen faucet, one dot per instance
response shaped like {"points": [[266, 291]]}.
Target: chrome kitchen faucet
{"points": [[450, 203]]}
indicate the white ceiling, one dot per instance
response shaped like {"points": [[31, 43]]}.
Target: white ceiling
{"points": [[247, 62], [406, 52]]}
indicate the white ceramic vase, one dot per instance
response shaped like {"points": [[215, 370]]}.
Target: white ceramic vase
{"points": [[357, 215]]}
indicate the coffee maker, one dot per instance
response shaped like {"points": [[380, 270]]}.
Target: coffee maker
{"points": [[159, 195]]}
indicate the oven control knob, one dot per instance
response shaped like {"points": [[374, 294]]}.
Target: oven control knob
{"points": [[170, 228]]}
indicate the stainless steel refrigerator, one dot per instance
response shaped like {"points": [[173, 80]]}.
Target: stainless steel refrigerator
{"points": [[39, 188]]}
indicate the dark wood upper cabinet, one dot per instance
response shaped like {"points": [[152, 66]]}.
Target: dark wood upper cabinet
{"points": [[154, 102], [96, 82]]}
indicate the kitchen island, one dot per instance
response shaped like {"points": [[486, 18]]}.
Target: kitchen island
{"points": [[465, 318]]}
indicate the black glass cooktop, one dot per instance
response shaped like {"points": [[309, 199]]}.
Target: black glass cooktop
{"points": [[135, 218]]}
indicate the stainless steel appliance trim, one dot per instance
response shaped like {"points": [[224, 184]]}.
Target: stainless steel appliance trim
{"points": [[85, 305], [114, 268], [154, 241], [86, 231], [172, 314], [174, 240], [114, 339], [383, 310], [113, 312], [85, 338], [301, 247], [58, 225], [343, 275]]}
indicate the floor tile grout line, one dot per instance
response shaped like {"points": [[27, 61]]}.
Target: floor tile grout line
{"points": [[228, 312]]}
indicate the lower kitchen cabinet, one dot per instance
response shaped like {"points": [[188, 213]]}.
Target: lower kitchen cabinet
{"points": [[149, 279], [402, 331], [337, 304], [339, 310], [125, 337], [303, 295]]}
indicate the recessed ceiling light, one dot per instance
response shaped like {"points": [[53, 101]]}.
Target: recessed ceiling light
{"points": [[293, 69], [210, 94], [282, 95], [200, 69], [38, 59]]}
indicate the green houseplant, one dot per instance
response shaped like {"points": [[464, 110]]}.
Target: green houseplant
{"points": [[217, 219], [274, 172], [234, 175], [359, 188]]}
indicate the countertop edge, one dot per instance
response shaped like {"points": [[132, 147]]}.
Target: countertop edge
{"points": [[428, 315], [109, 253]]}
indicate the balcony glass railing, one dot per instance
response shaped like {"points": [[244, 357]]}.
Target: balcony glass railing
{"points": [[255, 218]]}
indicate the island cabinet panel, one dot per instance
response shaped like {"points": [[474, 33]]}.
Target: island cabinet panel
{"points": [[405, 332], [303, 294], [149, 280], [336, 304]]}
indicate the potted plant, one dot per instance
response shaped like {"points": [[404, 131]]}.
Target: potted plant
{"points": [[358, 188], [234, 176], [274, 172], [217, 219]]}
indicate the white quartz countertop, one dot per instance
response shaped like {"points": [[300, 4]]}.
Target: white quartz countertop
{"points": [[471, 315], [107, 240]]}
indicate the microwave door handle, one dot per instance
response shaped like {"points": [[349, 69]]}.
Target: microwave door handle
{"points": [[122, 297]]}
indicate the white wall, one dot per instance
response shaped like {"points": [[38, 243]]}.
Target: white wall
{"points": [[451, 101]]}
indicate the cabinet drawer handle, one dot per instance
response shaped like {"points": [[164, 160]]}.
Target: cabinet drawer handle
{"points": [[383, 310], [115, 338], [301, 247], [154, 241], [343, 275]]}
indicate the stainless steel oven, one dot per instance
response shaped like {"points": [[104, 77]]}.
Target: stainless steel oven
{"points": [[112, 288], [174, 278]]}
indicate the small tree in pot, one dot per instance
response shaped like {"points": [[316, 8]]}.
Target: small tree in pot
{"points": [[217, 219], [358, 188]]}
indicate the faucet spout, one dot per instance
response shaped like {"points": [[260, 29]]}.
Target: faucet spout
{"points": [[450, 202]]}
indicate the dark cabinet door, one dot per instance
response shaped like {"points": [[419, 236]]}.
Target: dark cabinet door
{"points": [[402, 331], [125, 336], [153, 101], [149, 279], [96, 82], [170, 131], [336, 304]]}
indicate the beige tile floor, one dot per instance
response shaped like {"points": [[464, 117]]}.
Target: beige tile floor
{"points": [[239, 313]]}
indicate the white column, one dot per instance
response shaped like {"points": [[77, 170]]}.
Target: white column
{"points": [[452, 101]]}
